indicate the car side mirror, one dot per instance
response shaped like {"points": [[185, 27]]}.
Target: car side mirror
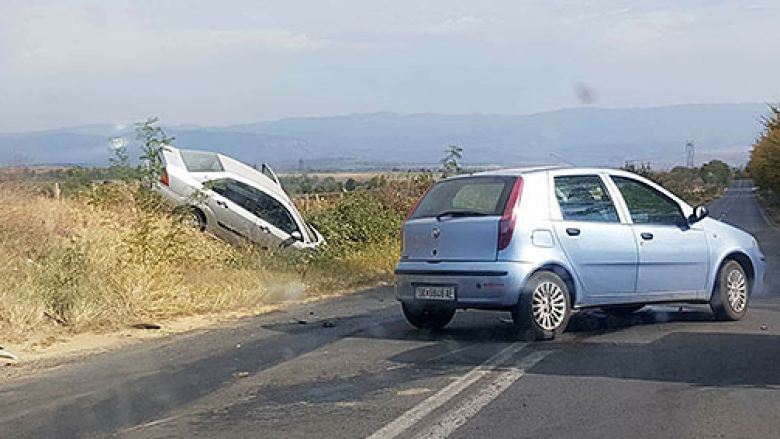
{"points": [[699, 213], [296, 235]]}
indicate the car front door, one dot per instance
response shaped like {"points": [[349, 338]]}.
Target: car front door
{"points": [[600, 247], [275, 223], [673, 256]]}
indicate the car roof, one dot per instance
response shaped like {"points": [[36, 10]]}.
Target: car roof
{"points": [[513, 172], [235, 168]]}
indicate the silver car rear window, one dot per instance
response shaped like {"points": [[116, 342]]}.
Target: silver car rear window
{"points": [[201, 161], [472, 195]]}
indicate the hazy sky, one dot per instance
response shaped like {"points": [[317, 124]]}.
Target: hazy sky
{"points": [[222, 62]]}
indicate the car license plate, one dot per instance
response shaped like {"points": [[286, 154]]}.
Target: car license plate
{"points": [[434, 292]]}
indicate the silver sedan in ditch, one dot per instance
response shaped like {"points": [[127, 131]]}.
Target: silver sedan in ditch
{"points": [[234, 201]]}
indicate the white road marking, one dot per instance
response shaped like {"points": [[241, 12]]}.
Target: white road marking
{"points": [[423, 409], [450, 422]]}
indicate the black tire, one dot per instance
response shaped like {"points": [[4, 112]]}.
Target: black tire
{"points": [[730, 297], [429, 317], [622, 310], [192, 216], [543, 284]]}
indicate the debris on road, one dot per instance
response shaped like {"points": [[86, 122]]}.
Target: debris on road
{"points": [[146, 326]]}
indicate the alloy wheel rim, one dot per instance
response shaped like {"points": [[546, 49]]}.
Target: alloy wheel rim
{"points": [[548, 306], [736, 285], [191, 220]]}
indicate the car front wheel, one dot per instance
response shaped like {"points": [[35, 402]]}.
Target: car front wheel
{"points": [[732, 290], [428, 317], [544, 307]]}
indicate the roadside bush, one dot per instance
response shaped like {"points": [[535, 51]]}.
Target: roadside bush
{"points": [[764, 164], [694, 185]]}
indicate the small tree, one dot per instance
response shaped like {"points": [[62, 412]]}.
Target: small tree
{"points": [[450, 162], [716, 172], [152, 138], [120, 159], [764, 164]]}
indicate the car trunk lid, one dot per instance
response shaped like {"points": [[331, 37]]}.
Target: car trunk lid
{"points": [[458, 220], [451, 239]]}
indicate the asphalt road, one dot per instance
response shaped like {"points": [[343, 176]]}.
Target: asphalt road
{"points": [[352, 368]]}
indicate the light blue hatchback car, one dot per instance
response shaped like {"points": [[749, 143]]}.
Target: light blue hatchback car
{"points": [[540, 242]]}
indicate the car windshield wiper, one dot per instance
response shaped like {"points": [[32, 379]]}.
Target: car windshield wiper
{"points": [[460, 213]]}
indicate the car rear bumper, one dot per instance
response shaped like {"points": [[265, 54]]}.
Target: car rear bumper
{"points": [[169, 194], [488, 285]]}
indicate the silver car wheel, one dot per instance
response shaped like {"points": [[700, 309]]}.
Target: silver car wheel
{"points": [[192, 219], [548, 306], [737, 290]]}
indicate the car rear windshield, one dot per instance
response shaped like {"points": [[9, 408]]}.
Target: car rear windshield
{"points": [[469, 196], [201, 161]]}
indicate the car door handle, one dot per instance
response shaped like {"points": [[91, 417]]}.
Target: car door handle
{"points": [[571, 231], [646, 236], [222, 204]]}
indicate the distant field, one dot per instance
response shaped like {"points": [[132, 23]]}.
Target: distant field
{"points": [[357, 176], [19, 170]]}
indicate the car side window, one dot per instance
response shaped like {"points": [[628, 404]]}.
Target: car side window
{"points": [[584, 198], [647, 205], [257, 202], [274, 212]]}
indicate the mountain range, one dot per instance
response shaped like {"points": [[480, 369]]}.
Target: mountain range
{"points": [[581, 136]]}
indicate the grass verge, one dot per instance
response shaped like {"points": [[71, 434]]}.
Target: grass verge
{"points": [[107, 258], [770, 203]]}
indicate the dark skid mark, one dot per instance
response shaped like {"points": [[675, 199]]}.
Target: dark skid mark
{"points": [[700, 359]]}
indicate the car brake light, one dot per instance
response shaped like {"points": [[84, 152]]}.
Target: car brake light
{"points": [[164, 178], [506, 227], [411, 212]]}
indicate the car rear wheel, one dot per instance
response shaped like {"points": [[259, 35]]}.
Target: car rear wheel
{"points": [[544, 307], [192, 217], [428, 317], [730, 298]]}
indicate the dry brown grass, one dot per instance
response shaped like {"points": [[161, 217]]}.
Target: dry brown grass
{"points": [[106, 258], [80, 266]]}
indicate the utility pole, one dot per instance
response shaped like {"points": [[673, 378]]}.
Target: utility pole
{"points": [[690, 154]]}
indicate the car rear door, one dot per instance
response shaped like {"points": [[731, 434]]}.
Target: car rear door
{"points": [[673, 256], [597, 242], [227, 198]]}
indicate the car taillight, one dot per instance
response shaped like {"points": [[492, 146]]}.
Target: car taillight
{"points": [[411, 212], [164, 178], [506, 227]]}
